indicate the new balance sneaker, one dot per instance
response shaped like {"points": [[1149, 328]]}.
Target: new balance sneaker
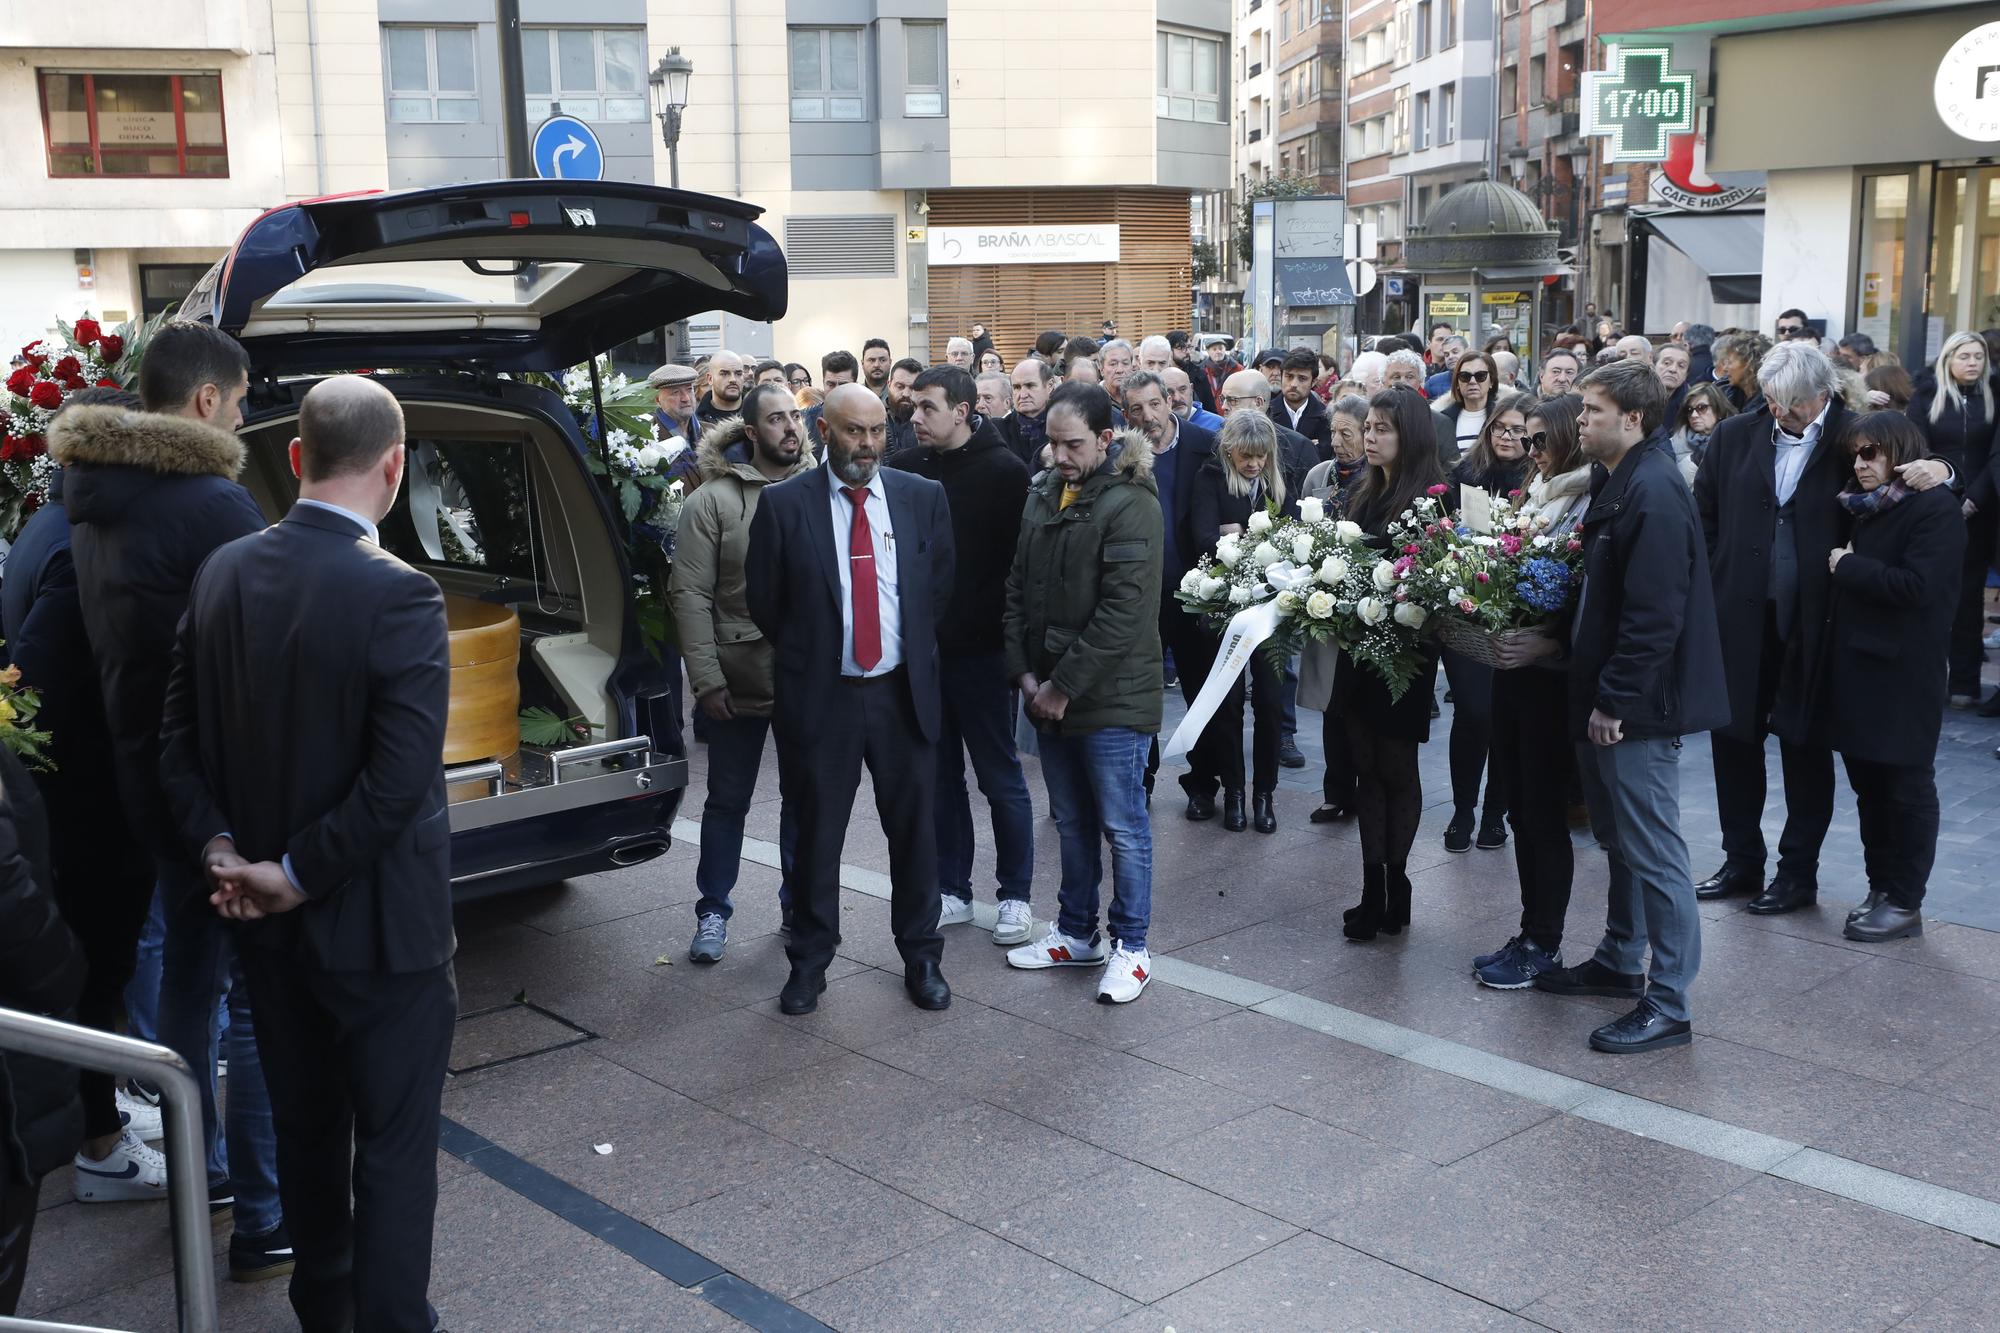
{"points": [[1518, 970], [257, 1258], [1016, 924], [141, 1117], [1126, 973], [711, 933], [1489, 959], [1055, 949], [129, 1171], [953, 910]]}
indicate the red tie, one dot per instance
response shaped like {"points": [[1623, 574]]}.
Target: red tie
{"points": [[861, 576]]}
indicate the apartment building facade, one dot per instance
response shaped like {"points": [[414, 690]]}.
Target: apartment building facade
{"points": [[1311, 124], [863, 128]]}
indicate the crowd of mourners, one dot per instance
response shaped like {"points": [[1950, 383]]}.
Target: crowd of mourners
{"points": [[1817, 510]]}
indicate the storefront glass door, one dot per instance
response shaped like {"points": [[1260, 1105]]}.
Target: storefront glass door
{"points": [[1885, 211], [1965, 254]]}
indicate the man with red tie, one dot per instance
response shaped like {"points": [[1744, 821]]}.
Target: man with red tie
{"points": [[849, 571]]}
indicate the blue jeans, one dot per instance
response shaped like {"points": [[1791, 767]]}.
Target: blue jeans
{"points": [[1633, 789], [142, 992], [979, 721], [199, 963], [1097, 792], [735, 753]]}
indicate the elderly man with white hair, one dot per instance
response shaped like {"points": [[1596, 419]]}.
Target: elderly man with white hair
{"points": [[1155, 354], [1368, 370], [1768, 493], [1406, 368], [1509, 367], [1635, 347], [958, 352], [1115, 360]]}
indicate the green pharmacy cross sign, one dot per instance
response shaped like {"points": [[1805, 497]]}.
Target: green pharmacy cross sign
{"points": [[1637, 104]]}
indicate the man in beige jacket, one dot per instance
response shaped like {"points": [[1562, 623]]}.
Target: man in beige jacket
{"points": [[729, 665]]}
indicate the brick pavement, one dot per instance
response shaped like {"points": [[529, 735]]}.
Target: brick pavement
{"points": [[1031, 1160]]}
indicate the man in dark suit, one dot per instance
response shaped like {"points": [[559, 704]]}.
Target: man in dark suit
{"points": [[1766, 491], [301, 749], [850, 570], [1296, 407]]}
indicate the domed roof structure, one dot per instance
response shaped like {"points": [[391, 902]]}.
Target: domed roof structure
{"points": [[1481, 224]]}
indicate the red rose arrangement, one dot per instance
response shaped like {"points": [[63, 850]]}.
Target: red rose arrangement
{"points": [[46, 373]]}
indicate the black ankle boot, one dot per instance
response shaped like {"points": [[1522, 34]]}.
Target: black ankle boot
{"points": [[1367, 918], [1264, 812], [1233, 817], [1396, 909]]}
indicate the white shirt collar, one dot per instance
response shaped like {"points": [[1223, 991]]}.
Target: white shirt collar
{"points": [[373, 534], [1812, 431]]}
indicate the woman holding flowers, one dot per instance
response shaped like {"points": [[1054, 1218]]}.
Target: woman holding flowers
{"points": [[1532, 755], [1383, 733], [1332, 484], [1495, 464], [1241, 489]]}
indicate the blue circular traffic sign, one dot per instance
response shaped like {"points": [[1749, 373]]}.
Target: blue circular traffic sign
{"points": [[564, 148]]}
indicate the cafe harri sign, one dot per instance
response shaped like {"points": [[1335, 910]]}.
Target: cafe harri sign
{"points": [[1636, 104]]}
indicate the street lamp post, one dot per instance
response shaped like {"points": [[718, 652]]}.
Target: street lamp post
{"points": [[670, 97]]}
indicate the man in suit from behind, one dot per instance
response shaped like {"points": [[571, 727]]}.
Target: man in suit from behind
{"points": [[302, 746], [849, 572]]}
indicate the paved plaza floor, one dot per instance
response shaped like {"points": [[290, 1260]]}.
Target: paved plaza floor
{"points": [[1286, 1132]]}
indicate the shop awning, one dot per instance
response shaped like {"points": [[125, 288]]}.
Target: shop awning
{"points": [[1728, 247]]}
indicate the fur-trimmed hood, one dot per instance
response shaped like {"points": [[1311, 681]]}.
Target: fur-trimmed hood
{"points": [[724, 449], [119, 437]]}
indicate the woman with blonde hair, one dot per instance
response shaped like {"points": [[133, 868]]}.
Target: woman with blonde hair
{"points": [[1953, 407], [1241, 478]]}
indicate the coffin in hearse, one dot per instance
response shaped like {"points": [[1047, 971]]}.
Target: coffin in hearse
{"points": [[443, 294]]}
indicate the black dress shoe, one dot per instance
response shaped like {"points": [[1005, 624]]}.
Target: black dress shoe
{"points": [[1331, 812], [1991, 708], [1644, 1029], [1458, 833], [1867, 905], [1885, 921], [1200, 807], [926, 985], [1289, 756], [1785, 895], [1233, 817], [801, 992], [1591, 977], [1492, 834], [1729, 880], [1264, 815]]}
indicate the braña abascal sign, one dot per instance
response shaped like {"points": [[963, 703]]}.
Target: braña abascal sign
{"points": [[1061, 243]]}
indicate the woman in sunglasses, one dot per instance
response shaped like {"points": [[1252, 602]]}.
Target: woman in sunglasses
{"points": [[1703, 408], [1495, 464], [1462, 415], [1881, 690], [1533, 759]]}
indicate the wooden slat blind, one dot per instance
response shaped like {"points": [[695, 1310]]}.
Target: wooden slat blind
{"points": [[1147, 291]]}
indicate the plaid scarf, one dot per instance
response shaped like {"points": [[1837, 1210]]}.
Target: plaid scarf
{"points": [[1878, 501]]}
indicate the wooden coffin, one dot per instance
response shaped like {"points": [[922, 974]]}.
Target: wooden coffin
{"points": [[484, 720]]}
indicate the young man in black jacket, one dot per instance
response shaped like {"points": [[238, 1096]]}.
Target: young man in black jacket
{"points": [[986, 486], [1645, 669]]}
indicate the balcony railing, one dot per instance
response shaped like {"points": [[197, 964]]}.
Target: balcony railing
{"points": [[1255, 70], [1256, 136]]}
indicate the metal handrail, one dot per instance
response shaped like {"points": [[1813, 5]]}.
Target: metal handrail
{"points": [[187, 1167]]}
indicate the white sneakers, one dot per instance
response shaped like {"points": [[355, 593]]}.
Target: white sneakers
{"points": [[141, 1117], [953, 910], [130, 1171], [1055, 949], [1016, 924], [1126, 971]]}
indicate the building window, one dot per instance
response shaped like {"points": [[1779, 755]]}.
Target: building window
{"points": [[1401, 142], [826, 74], [433, 74], [923, 69], [1447, 24], [1421, 119], [1284, 21], [128, 124], [593, 73], [1423, 25], [1190, 77], [1448, 113], [1538, 80], [1285, 93], [1510, 90], [1403, 32]]}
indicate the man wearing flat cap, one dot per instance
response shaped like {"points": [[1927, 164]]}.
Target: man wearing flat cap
{"points": [[674, 392]]}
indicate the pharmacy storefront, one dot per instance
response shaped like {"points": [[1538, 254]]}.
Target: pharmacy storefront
{"points": [[1883, 208]]}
